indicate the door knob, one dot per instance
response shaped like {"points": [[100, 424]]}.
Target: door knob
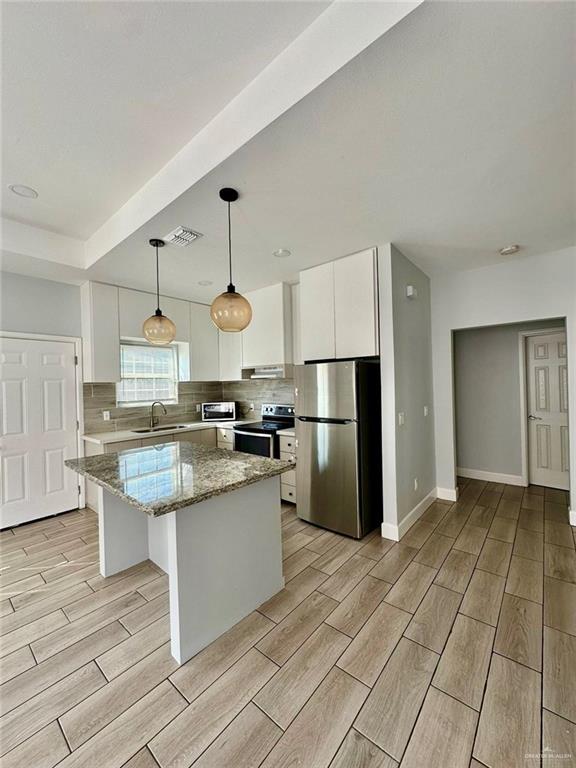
{"points": [[535, 418]]}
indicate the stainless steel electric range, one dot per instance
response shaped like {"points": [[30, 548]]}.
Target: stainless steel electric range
{"points": [[261, 437]]}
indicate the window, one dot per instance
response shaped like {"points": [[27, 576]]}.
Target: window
{"points": [[147, 373]]}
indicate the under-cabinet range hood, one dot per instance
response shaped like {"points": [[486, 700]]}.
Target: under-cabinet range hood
{"points": [[268, 372]]}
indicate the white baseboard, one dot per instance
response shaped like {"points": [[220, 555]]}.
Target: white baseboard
{"points": [[395, 532], [447, 494], [572, 516], [491, 477]]}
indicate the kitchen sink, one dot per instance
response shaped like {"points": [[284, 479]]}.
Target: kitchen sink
{"points": [[165, 428]]}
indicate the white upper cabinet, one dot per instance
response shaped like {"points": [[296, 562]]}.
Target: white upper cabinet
{"points": [[317, 333], [268, 338], [356, 305], [100, 332], [230, 356], [137, 306], [339, 308], [204, 353]]}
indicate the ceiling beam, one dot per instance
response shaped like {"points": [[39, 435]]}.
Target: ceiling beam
{"points": [[339, 34]]}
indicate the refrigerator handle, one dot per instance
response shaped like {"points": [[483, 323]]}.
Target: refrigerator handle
{"points": [[321, 420]]}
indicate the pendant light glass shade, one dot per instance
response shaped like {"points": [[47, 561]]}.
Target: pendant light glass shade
{"points": [[230, 311], [158, 329]]}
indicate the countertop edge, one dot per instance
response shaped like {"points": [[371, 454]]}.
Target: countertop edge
{"points": [[151, 512], [104, 438]]}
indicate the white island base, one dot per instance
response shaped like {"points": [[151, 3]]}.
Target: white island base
{"points": [[223, 557]]}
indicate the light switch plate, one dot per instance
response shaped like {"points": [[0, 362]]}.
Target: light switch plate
{"points": [[401, 418]]}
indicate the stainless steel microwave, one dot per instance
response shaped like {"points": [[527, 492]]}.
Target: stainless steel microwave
{"points": [[219, 411]]}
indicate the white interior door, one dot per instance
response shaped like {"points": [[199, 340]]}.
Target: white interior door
{"points": [[547, 376], [39, 430]]}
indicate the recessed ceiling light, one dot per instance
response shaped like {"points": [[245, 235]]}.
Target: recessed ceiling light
{"points": [[204, 282], [23, 191], [282, 253], [509, 250]]}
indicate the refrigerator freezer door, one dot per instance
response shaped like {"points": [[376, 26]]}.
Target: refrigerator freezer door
{"points": [[326, 390], [327, 476]]}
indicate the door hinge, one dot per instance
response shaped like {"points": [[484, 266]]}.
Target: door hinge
{"points": [[79, 490], [75, 359], [77, 424]]}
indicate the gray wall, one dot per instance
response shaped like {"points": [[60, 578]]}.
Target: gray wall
{"points": [[487, 396], [413, 385], [32, 305]]}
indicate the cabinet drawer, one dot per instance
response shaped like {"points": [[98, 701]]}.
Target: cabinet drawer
{"points": [[287, 444], [287, 492], [288, 457], [124, 445], [157, 440], [225, 435], [225, 446], [289, 478]]}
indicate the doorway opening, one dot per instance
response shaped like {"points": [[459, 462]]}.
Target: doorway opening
{"points": [[511, 404]]}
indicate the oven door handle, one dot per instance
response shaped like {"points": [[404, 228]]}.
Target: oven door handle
{"points": [[252, 434]]}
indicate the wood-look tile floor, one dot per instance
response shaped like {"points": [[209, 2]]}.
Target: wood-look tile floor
{"points": [[455, 647]]}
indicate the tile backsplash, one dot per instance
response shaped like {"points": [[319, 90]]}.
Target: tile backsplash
{"points": [[258, 391], [102, 397]]}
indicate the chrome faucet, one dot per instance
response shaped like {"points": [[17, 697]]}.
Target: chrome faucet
{"points": [[153, 419]]}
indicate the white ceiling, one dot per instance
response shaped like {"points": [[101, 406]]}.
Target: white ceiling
{"points": [[98, 96], [451, 136]]}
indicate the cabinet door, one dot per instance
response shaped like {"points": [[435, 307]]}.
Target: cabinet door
{"points": [[135, 308], [317, 313], [178, 311], [100, 332], [230, 356], [264, 342], [356, 317], [204, 365], [199, 436]]}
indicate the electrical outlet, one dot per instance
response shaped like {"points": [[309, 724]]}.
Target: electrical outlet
{"points": [[425, 410], [401, 418], [251, 406], [415, 483], [106, 415], [198, 407]]}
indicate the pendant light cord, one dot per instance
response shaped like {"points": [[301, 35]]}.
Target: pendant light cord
{"points": [[231, 287], [157, 283]]}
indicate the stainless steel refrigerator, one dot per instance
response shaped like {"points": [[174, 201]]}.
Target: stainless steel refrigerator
{"points": [[339, 446]]}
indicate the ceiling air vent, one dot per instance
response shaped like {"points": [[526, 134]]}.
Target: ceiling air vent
{"points": [[182, 236]]}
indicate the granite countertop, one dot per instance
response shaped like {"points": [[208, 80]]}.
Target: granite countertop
{"points": [[103, 438], [162, 478]]}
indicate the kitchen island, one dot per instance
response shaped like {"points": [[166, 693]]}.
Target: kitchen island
{"points": [[210, 518]]}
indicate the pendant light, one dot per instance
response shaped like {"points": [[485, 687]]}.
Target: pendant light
{"points": [[158, 329], [230, 311]]}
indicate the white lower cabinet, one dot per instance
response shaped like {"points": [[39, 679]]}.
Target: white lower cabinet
{"points": [[288, 479], [225, 438], [199, 436]]}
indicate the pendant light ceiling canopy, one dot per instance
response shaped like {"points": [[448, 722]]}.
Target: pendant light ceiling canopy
{"points": [[230, 311], [158, 329]]}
